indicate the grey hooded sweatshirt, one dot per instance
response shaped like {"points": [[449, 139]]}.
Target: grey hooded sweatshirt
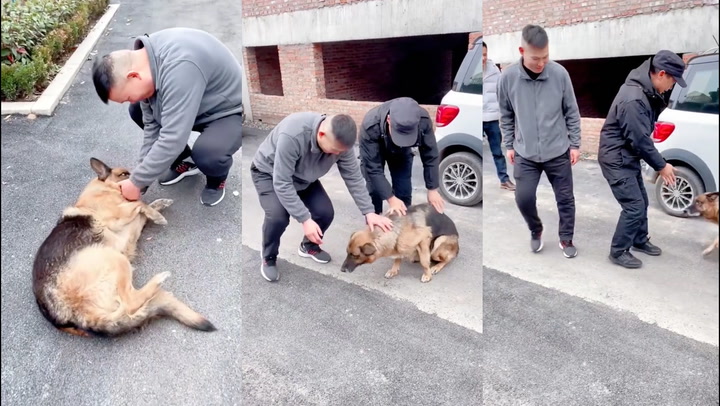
{"points": [[197, 80]]}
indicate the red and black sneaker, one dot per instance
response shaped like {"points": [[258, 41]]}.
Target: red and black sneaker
{"points": [[178, 172], [311, 250], [213, 193]]}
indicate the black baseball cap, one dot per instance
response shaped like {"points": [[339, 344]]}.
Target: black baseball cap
{"points": [[672, 64], [404, 121]]}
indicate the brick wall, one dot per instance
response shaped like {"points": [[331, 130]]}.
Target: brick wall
{"points": [[268, 69], [502, 16], [359, 72], [256, 8], [590, 128], [275, 108]]}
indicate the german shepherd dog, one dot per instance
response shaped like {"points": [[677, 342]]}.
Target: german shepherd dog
{"points": [[82, 276], [706, 205], [422, 235]]}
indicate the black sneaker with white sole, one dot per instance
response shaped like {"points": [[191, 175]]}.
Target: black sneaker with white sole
{"points": [[311, 250], [268, 269], [568, 249], [213, 194], [178, 172], [536, 243]]}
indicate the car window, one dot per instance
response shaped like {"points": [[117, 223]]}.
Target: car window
{"points": [[701, 93], [472, 80]]}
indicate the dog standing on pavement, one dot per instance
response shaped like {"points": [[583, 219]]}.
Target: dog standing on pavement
{"points": [[82, 276], [422, 235], [706, 205]]}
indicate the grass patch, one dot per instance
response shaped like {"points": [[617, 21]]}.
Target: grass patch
{"points": [[37, 36]]}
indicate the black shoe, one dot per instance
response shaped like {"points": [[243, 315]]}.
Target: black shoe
{"points": [[536, 243], [178, 172], [648, 248], [268, 270], [311, 250], [212, 195], [627, 260], [568, 249]]}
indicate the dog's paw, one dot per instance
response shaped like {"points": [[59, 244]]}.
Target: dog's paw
{"points": [[160, 221], [160, 204], [708, 250], [162, 277], [391, 274], [434, 270], [426, 278]]}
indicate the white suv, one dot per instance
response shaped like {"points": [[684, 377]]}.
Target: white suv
{"points": [[459, 133], [686, 135]]}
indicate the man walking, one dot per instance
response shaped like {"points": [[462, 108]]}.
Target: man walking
{"points": [[177, 80], [286, 170], [387, 135], [625, 139], [540, 123], [491, 117]]}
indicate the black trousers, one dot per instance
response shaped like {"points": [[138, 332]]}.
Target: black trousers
{"points": [[400, 167], [632, 226], [559, 173], [277, 218], [214, 148]]}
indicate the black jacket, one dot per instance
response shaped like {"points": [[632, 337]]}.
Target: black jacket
{"points": [[625, 137], [376, 147]]}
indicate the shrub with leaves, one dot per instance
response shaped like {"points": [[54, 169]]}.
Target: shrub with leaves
{"points": [[35, 35]]}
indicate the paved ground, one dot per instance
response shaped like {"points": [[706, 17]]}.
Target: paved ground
{"points": [[583, 331], [45, 164], [325, 337], [678, 290]]}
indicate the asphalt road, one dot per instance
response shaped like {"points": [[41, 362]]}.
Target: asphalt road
{"points": [[677, 291], [322, 337], [45, 165], [583, 331], [454, 294]]}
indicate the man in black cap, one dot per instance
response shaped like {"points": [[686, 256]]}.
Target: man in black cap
{"points": [[625, 139], [387, 135]]}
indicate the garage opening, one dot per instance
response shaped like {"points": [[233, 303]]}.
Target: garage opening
{"points": [[270, 77], [597, 81], [420, 67]]}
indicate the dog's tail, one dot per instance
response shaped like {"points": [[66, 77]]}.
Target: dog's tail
{"points": [[167, 305]]}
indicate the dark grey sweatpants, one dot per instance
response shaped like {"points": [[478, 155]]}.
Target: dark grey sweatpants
{"points": [[214, 148]]}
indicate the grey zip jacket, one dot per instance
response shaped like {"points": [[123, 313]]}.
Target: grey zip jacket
{"points": [[197, 80], [491, 76], [291, 154], [539, 118]]}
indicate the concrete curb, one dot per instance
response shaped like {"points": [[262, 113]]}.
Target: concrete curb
{"points": [[50, 98]]}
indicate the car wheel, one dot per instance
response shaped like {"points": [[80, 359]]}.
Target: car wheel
{"points": [[675, 199], [461, 179]]}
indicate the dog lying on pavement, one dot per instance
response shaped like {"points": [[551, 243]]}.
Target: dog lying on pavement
{"points": [[706, 205], [82, 273], [423, 235]]}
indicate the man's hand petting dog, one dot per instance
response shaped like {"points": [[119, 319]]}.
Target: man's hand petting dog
{"points": [[434, 198], [129, 190], [397, 205], [375, 220]]}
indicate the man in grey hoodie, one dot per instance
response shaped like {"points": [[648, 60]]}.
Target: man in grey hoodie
{"points": [[177, 80], [491, 117], [540, 122], [286, 171]]}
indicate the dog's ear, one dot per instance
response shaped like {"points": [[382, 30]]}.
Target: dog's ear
{"points": [[102, 170], [368, 249], [712, 196]]}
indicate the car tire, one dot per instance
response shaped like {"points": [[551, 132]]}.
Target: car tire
{"points": [[471, 164], [690, 186]]}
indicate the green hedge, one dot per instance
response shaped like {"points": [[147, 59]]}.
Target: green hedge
{"points": [[36, 34]]}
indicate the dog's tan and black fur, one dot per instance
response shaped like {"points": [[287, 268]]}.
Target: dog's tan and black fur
{"points": [[706, 205], [422, 235], [82, 274]]}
